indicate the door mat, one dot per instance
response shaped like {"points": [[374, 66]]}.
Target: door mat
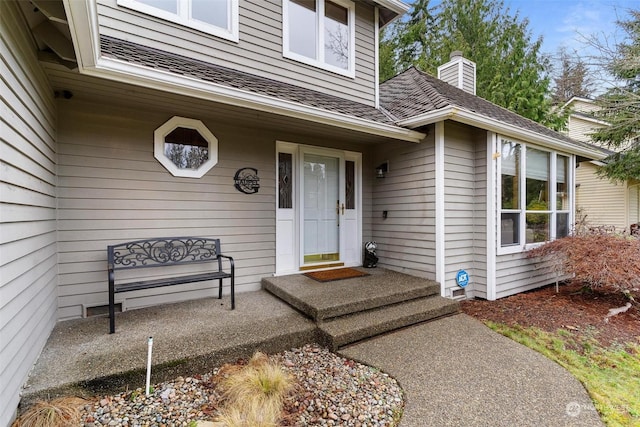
{"points": [[339, 274]]}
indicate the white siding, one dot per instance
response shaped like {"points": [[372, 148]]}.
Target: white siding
{"points": [[259, 50], [27, 199], [465, 211], [598, 201], [406, 239]]}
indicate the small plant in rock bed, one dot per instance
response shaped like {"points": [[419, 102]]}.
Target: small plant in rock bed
{"points": [[255, 394], [61, 412], [597, 260]]}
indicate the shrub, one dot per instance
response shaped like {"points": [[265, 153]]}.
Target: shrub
{"points": [[255, 394], [61, 412], [597, 260]]}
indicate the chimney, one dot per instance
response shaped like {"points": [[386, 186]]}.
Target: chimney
{"points": [[459, 72]]}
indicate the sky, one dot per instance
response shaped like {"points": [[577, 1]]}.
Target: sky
{"points": [[566, 22]]}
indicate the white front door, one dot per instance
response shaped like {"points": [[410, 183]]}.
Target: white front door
{"points": [[318, 220]]}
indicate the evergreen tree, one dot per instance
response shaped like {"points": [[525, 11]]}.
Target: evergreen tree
{"points": [[510, 72], [620, 106]]}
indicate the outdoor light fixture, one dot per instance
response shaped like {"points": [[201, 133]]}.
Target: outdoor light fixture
{"points": [[381, 171]]}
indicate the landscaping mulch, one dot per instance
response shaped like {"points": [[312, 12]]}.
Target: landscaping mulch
{"points": [[579, 311]]}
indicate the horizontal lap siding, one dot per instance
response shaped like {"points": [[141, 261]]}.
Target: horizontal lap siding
{"points": [[465, 212], [259, 50], [27, 203], [112, 189], [406, 239], [598, 201], [516, 273]]}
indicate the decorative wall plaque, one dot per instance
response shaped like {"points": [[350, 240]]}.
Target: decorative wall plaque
{"points": [[247, 180]]}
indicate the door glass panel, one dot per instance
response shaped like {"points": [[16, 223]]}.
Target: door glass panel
{"points": [[321, 208], [285, 181], [350, 184]]}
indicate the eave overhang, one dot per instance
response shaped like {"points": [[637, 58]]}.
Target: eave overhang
{"points": [[83, 23], [483, 122]]}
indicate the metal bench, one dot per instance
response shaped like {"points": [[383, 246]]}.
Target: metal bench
{"points": [[165, 252]]}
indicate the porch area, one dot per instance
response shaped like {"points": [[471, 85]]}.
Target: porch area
{"points": [[82, 358]]}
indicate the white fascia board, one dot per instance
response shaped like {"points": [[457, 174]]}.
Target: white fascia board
{"points": [[487, 123], [396, 6], [83, 23], [82, 17], [126, 72]]}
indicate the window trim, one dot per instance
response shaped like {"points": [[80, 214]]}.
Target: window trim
{"points": [[552, 212], [319, 63], [183, 17], [175, 122]]}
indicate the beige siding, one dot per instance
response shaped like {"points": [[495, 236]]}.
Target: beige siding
{"points": [[406, 239], [598, 201], [634, 204], [581, 129], [465, 212], [516, 273], [27, 200], [111, 189], [259, 50]]}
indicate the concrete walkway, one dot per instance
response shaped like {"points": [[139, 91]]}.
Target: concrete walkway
{"points": [[457, 372]]}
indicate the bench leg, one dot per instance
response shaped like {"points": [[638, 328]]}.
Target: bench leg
{"points": [[220, 289], [233, 292], [112, 313]]}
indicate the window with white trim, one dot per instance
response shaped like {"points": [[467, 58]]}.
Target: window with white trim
{"points": [[534, 195], [185, 147], [217, 17], [320, 33]]}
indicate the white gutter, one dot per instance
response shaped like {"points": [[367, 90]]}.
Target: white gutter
{"points": [[468, 117], [83, 23], [396, 6]]}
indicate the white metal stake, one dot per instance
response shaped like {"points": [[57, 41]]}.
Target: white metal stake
{"points": [[150, 345]]}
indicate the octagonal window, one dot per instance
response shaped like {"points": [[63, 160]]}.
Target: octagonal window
{"points": [[185, 147]]}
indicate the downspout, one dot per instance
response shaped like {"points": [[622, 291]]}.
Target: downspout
{"points": [[492, 214], [376, 60], [440, 208]]}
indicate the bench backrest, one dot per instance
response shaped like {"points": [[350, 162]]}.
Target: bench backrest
{"points": [[161, 252]]}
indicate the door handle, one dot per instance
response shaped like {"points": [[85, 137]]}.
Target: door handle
{"points": [[343, 209], [338, 207]]}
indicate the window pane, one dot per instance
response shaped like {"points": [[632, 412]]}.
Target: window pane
{"points": [[562, 180], [537, 180], [303, 27], [214, 12], [336, 35], [350, 184], [537, 227], [186, 148], [562, 225], [510, 229], [285, 181], [510, 175], [168, 5]]}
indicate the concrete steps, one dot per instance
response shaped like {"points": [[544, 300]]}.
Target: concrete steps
{"points": [[351, 310], [358, 326]]}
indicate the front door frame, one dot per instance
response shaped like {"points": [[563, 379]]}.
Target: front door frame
{"points": [[289, 233]]}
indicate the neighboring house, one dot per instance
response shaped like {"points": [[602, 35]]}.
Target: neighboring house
{"points": [[121, 121], [599, 202]]}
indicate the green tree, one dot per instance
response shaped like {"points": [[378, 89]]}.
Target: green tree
{"points": [[510, 69], [620, 105]]}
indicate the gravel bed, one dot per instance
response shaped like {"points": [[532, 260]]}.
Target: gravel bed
{"points": [[330, 391]]}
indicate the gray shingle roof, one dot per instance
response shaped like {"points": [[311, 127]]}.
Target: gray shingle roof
{"points": [[413, 92], [154, 58]]}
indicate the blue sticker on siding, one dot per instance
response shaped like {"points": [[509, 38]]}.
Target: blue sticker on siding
{"points": [[462, 278]]}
